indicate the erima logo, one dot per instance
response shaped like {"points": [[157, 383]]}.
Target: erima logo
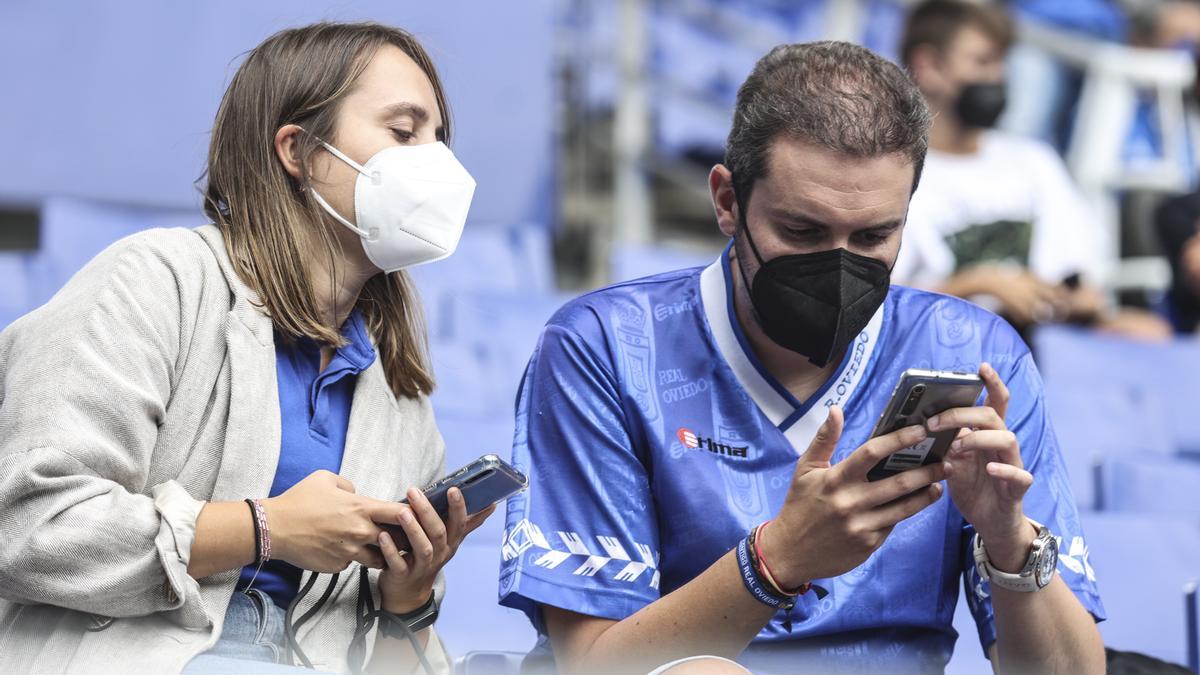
{"points": [[693, 441]]}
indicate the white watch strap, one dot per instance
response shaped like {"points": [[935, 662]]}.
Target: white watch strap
{"points": [[1023, 582]]}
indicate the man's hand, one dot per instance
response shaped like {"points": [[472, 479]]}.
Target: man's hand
{"points": [[833, 519], [986, 477], [1024, 298]]}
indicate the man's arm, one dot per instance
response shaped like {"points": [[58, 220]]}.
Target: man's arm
{"points": [[711, 614], [831, 521], [1046, 631]]}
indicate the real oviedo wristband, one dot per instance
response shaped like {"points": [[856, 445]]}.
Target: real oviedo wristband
{"points": [[755, 585]]}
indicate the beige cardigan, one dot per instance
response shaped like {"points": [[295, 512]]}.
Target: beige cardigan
{"points": [[146, 385]]}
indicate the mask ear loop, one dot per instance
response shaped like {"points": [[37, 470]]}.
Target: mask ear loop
{"points": [[374, 176], [745, 227]]}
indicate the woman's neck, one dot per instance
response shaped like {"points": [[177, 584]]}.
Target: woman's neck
{"points": [[337, 289]]}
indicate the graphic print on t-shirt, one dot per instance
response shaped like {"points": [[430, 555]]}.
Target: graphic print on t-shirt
{"points": [[998, 241]]}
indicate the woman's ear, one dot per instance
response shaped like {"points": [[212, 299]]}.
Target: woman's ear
{"points": [[285, 149]]}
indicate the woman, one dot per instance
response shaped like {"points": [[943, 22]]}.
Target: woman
{"points": [[203, 420]]}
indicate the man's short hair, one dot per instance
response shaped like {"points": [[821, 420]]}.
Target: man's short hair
{"points": [[832, 94], [937, 23]]}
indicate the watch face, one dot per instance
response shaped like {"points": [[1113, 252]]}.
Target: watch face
{"points": [[1047, 562]]}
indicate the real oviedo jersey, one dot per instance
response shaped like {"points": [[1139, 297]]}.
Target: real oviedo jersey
{"points": [[654, 440]]}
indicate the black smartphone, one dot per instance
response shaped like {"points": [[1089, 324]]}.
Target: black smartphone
{"points": [[483, 482], [919, 395]]}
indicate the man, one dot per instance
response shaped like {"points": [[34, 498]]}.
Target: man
{"points": [[660, 420], [998, 218]]}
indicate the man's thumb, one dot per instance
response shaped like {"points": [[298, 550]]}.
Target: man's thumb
{"points": [[820, 451]]}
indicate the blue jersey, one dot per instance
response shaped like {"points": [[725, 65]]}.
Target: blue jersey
{"points": [[655, 439]]}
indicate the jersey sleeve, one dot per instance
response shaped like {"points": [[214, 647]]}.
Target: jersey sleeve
{"points": [[1049, 501], [584, 536]]}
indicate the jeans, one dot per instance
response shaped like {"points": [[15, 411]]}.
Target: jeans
{"points": [[252, 641]]}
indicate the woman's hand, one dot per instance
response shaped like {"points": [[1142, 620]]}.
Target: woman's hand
{"points": [[407, 579], [320, 524]]}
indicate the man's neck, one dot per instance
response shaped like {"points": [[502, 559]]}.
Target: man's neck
{"points": [[794, 371], [948, 135]]}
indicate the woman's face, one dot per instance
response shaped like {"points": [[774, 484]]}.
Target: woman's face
{"points": [[393, 103]]}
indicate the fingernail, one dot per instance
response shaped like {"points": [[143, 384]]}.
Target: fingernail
{"points": [[933, 423], [918, 433], [956, 445], [456, 495], [406, 516], [937, 489]]}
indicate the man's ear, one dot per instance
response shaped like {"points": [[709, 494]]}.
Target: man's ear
{"points": [[286, 142], [923, 64], [720, 187]]}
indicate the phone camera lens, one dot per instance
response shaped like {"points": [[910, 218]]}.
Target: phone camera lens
{"points": [[914, 396]]}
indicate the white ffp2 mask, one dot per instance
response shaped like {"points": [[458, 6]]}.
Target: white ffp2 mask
{"points": [[410, 204]]}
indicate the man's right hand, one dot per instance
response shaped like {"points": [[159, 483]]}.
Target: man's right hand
{"points": [[833, 518], [320, 524]]}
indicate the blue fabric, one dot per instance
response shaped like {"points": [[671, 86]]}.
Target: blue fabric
{"points": [[314, 407], [620, 512], [252, 640]]}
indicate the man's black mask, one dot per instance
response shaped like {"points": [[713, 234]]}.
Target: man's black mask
{"points": [[980, 104], [815, 304]]}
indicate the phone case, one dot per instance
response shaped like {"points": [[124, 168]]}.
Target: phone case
{"points": [[919, 395], [483, 482]]}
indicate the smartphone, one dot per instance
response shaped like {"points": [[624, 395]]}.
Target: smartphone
{"points": [[483, 482], [919, 395]]}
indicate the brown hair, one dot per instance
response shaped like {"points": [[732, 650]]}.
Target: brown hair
{"points": [[266, 216], [834, 94], [937, 22]]}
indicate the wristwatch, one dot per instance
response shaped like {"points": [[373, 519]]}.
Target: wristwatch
{"points": [[416, 620], [1038, 571]]}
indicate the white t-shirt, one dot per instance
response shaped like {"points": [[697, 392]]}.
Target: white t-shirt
{"points": [[1010, 202]]}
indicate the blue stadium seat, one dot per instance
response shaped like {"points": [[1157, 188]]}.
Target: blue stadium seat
{"points": [[633, 262], [1170, 373], [489, 663], [1142, 565], [1094, 420], [14, 280], [471, 619], [488, 341], [74, 230], [1149, 484]]}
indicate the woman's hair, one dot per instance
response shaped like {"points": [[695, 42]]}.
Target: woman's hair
{"points": [[300, 76]]}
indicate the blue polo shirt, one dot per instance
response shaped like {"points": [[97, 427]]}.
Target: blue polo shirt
{"points": [[654, 439], [314, 409]]}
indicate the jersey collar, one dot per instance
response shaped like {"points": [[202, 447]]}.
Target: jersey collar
{"points": [[798, 420]]}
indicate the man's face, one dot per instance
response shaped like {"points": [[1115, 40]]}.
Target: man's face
{"points": [[815, 199], [970, 57]]}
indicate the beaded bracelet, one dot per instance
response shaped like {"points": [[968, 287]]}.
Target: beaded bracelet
{"points": [[257, 533], [264, 529]]}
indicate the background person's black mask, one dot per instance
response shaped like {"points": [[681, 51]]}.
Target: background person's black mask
{"points": [[815, 304], [980, 103]]}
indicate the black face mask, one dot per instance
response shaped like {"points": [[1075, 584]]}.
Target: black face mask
{"points": [[815, 304], [980, 104]]}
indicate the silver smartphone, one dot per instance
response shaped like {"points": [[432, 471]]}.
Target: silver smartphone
{"points": [[483, 482], [919, 395]]}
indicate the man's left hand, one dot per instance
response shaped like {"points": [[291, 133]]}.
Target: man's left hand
{"points": [[986, 476]]}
